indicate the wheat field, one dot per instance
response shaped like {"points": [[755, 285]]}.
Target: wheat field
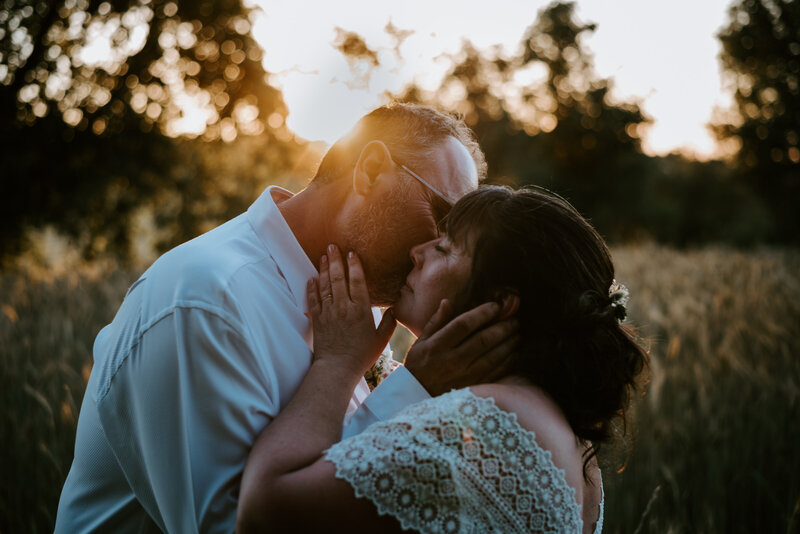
{"points": [[716, 433]]}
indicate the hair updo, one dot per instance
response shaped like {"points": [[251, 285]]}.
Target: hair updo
{"points": [[534, 244]]}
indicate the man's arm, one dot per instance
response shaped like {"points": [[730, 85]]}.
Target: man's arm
{"points": [[181, 414]]}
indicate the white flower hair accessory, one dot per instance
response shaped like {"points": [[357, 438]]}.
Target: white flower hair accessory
{"points": [[618, 296]]}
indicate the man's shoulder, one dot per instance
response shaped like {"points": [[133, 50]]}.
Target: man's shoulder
{"points": [[221, 281], [207, 267]]}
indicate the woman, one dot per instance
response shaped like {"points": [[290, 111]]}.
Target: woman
{"points": [[516, 455]]}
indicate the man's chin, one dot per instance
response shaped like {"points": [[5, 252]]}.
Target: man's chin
{"points": [[388, 291], [383, 297]]}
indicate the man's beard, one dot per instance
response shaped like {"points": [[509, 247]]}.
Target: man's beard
{"points": [[372, 228]]}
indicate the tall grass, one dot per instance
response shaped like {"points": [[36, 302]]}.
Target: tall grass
{"points": [[717, 444], [47, 328], [717, 432]]}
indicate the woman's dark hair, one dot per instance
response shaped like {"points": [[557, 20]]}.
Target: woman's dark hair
{"points": [[534, 244]]}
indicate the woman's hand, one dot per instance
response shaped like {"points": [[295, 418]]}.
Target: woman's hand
{"points": [[341, 315], [468, 350]]}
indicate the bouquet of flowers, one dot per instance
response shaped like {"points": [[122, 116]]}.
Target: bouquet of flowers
{"points": [[384, 365]]}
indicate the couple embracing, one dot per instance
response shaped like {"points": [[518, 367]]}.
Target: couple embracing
{"points": [[228, 392]]}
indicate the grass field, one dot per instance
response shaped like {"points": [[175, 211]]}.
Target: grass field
{"points": [[717, 434]]}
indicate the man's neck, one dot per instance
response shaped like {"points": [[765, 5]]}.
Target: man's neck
{"points": [[311, 217]]}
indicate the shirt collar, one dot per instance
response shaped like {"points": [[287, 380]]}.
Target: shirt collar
{"points": [[270, 226]]}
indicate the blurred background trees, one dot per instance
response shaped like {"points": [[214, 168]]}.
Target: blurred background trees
{"points": [[126, 118], [761, 58], [117, 114], [544, 117]]}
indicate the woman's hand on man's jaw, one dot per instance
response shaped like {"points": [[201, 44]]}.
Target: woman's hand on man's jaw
{"points": [[470, 349], [341, 315]]}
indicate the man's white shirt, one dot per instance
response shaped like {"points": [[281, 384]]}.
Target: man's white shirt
{"points": [[206, 349]]}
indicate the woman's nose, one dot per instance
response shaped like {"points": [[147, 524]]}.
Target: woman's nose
{"points": [[417, 252]]}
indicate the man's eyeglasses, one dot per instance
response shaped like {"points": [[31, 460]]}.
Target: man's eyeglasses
{"points": [[418, 178]]}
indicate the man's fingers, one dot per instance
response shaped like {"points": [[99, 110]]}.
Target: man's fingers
{"points": [[463, 326], [486, 340], [497, 363], [438, 319], [385, 328], [338, 282], [358, 282]]}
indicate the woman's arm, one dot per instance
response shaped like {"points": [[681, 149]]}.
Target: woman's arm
{"points": [[284, 475], [286, 481]]}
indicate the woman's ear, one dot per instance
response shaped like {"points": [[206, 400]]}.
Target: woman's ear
{"points": [[509, 304], [374, 160]]}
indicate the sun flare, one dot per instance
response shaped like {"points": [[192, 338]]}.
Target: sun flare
{"points": [[321, 111]]}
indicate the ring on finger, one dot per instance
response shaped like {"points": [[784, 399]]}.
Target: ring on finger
{"points": [[328, 296]]}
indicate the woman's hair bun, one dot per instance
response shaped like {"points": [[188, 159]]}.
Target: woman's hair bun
{"points": [[595, 309]]}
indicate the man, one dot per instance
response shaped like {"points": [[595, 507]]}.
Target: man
{"points": [[212, 341]]}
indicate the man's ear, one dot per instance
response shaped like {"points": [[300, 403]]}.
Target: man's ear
{"points": [[509, 304], [374, 160]]}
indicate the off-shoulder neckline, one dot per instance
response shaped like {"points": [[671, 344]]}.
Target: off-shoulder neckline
{"points": [[489, 400]]}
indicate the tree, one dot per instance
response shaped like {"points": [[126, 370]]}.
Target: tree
{"points": [[543, 116], [761, 58], [97, 99]]}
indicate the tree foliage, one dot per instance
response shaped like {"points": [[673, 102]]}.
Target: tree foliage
{"points": [[761, 58], [119, 114], [544, 117], [98, 101]]}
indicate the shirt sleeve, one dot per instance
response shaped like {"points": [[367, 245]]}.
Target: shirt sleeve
{"points": [[398, 390], [181, 413]]}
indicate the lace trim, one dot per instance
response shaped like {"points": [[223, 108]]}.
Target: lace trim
{"points": [[598, 527], [457, 463]]}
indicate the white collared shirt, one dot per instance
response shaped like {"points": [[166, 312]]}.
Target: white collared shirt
{"points": [[207, 347]]}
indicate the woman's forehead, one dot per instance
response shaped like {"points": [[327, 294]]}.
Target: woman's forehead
{"points": [[464, 234]]}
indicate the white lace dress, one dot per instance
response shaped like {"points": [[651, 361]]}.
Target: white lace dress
{"points": [[457, 463]]}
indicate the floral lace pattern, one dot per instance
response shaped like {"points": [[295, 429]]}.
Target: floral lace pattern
{"points": [[457, 463]]}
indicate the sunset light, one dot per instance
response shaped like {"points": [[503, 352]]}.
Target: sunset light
{"points": [[653, 52], [251, 251]]}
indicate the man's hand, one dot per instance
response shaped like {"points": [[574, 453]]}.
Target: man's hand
{"points": [[468, 350]]}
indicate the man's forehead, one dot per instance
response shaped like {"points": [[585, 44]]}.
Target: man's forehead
{"points": [[453, 170]]}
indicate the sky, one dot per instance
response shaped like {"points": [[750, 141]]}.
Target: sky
{"points": [[661, 54]]}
